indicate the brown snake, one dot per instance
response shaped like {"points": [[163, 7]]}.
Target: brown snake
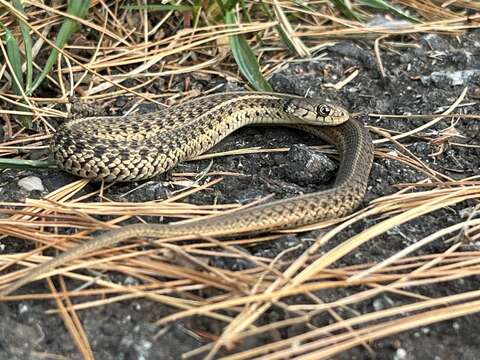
{"points": [[140, 146]]}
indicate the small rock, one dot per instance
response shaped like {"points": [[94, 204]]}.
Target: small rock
{"points": [[307, 166], [453, 78], [31, 183], [400, 354]]}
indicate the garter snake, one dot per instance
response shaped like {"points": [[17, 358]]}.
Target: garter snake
{"points": [[138, 147]]}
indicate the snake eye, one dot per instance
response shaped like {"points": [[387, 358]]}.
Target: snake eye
{"points": [[323, 110]]}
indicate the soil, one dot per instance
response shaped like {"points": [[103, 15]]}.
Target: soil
{"points": [[425, 77]]}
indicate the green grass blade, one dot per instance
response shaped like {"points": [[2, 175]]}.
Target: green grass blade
{"points": [[230, 4], [227, 5], [346, 10], [303, 5], [27, 42], [245, 58], [197, 6], [220, 5], [13, 53], [77, 8], [383, 5], [26, 164], [15, 60], [285, 38]]}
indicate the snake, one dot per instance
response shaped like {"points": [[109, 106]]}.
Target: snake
{"points": [[138, 147]]}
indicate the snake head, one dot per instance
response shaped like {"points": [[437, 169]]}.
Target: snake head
{"points": [[316, 111]]}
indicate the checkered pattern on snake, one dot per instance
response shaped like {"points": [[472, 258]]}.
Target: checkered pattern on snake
{"points": [[138, 147]]}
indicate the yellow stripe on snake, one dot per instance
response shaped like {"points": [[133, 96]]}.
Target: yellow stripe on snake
{"points": [[138, 147]]}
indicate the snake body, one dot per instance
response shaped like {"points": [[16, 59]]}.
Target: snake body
{"points": [[141, 146]]}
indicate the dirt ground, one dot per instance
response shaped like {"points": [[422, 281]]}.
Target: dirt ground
{"points": [[422, 78]]}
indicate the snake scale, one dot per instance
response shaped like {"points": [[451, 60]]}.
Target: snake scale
{"points": [[137, 147]]}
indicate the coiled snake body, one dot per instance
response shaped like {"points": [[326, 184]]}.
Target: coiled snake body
{"points": [[141, 146]]}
